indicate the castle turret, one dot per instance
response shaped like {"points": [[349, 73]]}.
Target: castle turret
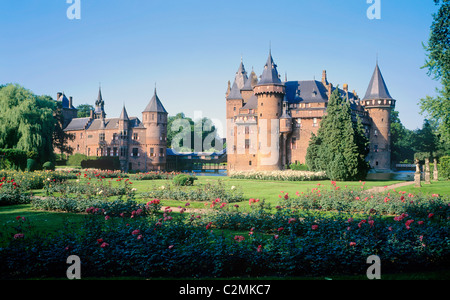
{"points": [[99, 111], [155, 121], [270, 92], [379, 103]]}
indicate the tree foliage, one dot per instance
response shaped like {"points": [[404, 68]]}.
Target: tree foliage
{"points": [[27, 122], [438, 64], [187, 135], [84, 110], [340, 147]]}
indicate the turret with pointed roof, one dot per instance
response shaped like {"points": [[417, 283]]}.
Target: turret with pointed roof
{"points": [[270, 74], [241, 76], [377, 87], [155, 105], [379, 103], [124, 115], [99, 111]]}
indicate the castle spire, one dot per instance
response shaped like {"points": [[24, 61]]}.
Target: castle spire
{"points": [[270, 73], [377, 87], [124, 114]]}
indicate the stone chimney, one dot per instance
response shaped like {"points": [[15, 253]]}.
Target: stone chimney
{"points": [[58, 96], [70, 102], [324, 78], [346, 87]]}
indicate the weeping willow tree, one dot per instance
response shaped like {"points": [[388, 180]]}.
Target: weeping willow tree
{"points": [[27, 122]]}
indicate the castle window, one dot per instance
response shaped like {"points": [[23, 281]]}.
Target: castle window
{"points": [[376, 132], [152, 152], [315, 122], [115, 152], [123, 151], [161, 152], [234, 108], [101, 137], [135, 152], [375, 148], [250, 163], [135, 136], [247, 144]]}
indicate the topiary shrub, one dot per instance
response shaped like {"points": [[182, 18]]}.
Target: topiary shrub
{"points": [[31, 165], [184, 180], [48, 166]]}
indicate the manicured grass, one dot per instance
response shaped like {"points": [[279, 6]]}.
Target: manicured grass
{"points": [[42, 221], [436, 187]]}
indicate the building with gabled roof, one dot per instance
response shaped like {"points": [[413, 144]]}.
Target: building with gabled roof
{"points": [[138, 144], [270, 122]]}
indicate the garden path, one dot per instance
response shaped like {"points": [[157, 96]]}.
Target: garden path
{"points": [[394, 186]]}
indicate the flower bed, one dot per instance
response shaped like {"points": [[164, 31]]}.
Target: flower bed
{"points": [[290, 242], [206, 192], [288, 175]]}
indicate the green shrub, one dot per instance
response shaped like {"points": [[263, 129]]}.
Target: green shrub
{"points": [[31, 165], [444, 169], [298, 167], [184, 180], [48, 166], [76, 159], [13, 159]]}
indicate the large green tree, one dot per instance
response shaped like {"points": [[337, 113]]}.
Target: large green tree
{"points": [[27, 122], [84, 110], [187, 135], [401, 140], [438, 64], [340, 147]]}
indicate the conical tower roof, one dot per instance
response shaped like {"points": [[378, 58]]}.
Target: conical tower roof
{"points": [[235, 93], [377, 87], [155, 105], [241, 76], [124, 114], [270, 73]]}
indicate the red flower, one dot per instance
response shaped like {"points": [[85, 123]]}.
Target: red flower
{"points": [[430, 216], [314, 227], [352, 244], [104, 245], [259, 249]]}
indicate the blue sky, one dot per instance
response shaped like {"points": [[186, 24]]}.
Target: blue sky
{"points": [[190, 49]]}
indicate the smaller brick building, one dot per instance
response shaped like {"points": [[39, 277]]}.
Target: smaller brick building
{"points": [[138, 144]]}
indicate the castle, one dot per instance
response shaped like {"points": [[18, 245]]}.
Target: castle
{"points": [[270, 122], [139, 145]]}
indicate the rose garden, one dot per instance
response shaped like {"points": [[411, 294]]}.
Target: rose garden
{"points": [[167, 225]]}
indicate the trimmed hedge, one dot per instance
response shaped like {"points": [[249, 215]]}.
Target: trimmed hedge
{"points": [[13, 159], [445, 167]]}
